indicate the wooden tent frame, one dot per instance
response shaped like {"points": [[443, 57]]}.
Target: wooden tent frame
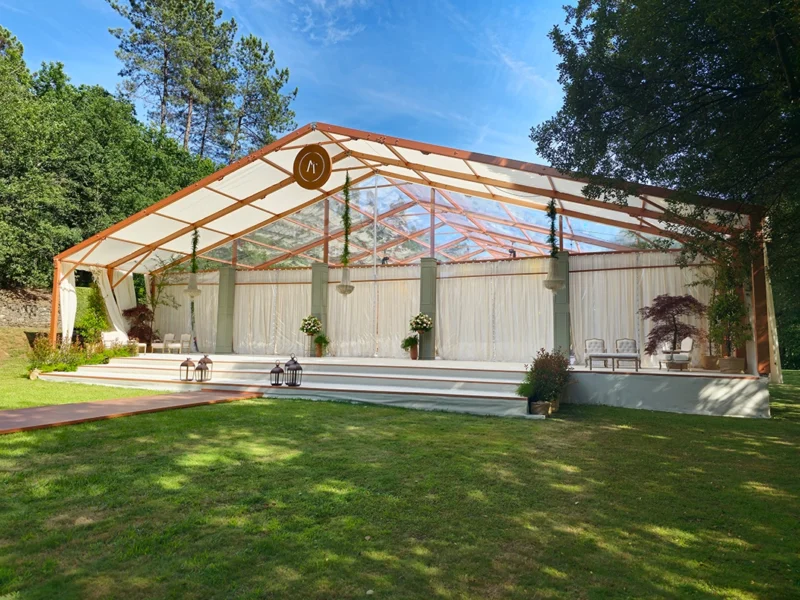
{"points": [[400, 173]]}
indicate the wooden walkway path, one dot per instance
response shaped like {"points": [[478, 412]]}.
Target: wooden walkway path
{"points": [[55, 415]]}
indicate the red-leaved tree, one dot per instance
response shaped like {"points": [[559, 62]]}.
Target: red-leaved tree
{"points": [[665, 314]]}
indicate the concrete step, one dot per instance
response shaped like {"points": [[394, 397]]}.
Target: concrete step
{"points": [[374, 378], [172, 382], [416, 397], [504, 373]]}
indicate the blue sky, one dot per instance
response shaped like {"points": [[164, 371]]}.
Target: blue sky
{"points": [[474, 75], [471, 74]]}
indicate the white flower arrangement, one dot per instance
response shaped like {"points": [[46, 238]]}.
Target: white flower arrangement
{"points": [[421, 322], [311, 325]]}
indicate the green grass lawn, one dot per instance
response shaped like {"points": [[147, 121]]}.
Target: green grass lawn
{"points": [[17, 391], [297, 499]]}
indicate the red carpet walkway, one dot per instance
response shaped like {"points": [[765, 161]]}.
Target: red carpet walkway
{"points": [[38, 417]]}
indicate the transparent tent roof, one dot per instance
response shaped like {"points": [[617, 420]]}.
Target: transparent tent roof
{"points": [[406, 197]]}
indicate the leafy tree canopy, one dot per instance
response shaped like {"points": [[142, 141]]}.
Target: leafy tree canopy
{"points": [[699, 96], [73, 161]]}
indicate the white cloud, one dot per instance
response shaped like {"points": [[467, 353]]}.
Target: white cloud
{"points": [[328, 21]]}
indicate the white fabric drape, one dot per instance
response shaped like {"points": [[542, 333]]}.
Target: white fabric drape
{"points": [[177, 319], [112, 308], [373, 319], [497, 311], [607, 290], [269, 306], [397, 300], [124, 291], [68, 303]]}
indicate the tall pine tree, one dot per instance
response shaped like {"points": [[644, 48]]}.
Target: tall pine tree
{"points": [[151, 50], [259, 110]]}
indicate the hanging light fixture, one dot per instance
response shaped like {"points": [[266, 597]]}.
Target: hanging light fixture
{"points": [[192, 290], [345, 288], [554, 281]]}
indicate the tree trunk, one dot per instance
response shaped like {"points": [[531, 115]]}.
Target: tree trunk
{"points": [[236, 134], [164, 88], [208, 115], [188, 128]]}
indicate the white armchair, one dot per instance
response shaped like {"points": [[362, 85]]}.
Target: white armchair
{"points": [[594, 346], [166, 345], [186, 343], [682, 356]]}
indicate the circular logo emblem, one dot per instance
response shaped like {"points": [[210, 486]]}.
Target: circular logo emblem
{"points": [[312, 167]]}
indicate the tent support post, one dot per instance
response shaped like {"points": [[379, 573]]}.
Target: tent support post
{"points": [[561, 318], [760, 312], [427, 305], [55, 301], [319, 292]]}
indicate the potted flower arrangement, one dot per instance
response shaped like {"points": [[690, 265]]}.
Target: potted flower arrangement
{"points": [[665, 313], [311, 325], [545, 382], [410, 345], [421, 323], [321, 343], [728, 328]]}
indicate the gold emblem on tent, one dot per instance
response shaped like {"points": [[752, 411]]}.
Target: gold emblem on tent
{"points": [[312, 167]]}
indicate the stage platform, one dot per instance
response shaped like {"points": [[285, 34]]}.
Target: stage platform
{"points": [[483, 388]]}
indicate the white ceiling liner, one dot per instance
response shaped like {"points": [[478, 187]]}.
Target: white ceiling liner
{"points": [[249, 180], [259, 189]]}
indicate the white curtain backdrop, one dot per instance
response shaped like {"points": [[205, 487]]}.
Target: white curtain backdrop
{"points": [[268, 308], [112, 308], [607, 290], [177, 319], [494, 311], [373, 319], [68, 303]]}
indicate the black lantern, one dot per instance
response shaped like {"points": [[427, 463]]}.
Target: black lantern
{"points": [[204, 374], [187, 370], [201, 372], [294, 372], [276, 375]]}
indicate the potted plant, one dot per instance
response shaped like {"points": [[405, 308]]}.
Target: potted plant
{"points": [[421, 323], [410, 345], [710, 360], [546, 380], [321, 343], [665, 313], [728, 327]]}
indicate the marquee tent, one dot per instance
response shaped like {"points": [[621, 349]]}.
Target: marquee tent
{"points": [[410, 200]]}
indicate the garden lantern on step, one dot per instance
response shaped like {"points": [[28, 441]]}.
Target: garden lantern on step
{"points": [[204, 368], [186, 371], [294, 372], [276, 375]]}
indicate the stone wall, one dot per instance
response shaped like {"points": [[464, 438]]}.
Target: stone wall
{"points": [[25, 308]]}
